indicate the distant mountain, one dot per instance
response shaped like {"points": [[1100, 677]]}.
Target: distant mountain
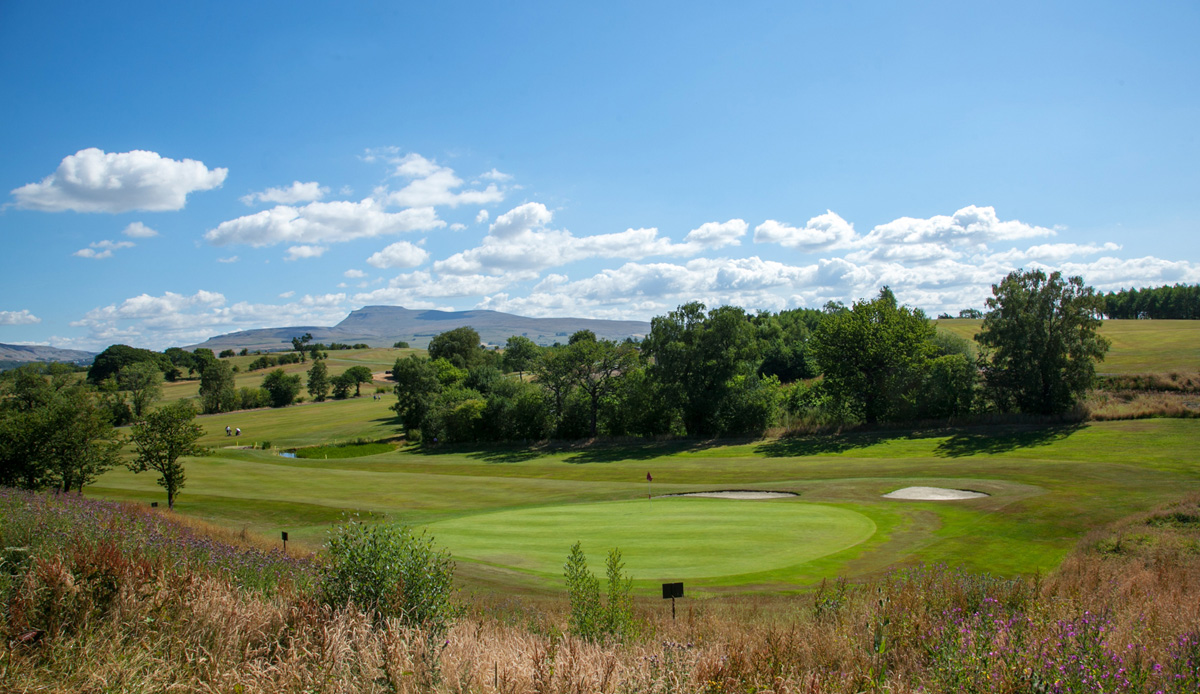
{"points": [[382, 326], [28, 353]]}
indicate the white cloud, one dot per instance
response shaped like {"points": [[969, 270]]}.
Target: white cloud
{"points": [[399, 254], [230, 259], [102, 249], [823, 232], [457, 227], [321, 222], [519, 240], [1052, 252], [481, 217], [175, 319], [295, 193], [22, 317], [969, 225], [138, 230], [495, 175], [433, 185], [287, 295], [300, 252], [92, 180], [354, 274]]}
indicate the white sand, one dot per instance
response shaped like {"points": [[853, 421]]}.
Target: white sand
{"points": [[932, 494], [738, 495]]}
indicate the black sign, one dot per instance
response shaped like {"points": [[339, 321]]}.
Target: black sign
{"points": [[153, 504], [672, 590], [285, 536]]}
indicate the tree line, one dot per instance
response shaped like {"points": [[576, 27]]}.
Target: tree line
{"points": [[723, 372], [1177, 302]]}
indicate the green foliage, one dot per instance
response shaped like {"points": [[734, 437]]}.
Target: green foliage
{"points": [[112, 360], [166, 435], [400, 344], [227, 353], [591, 618], [950, 387], [520, 353], [417, 386], [318, 381], [281, 387], [874, 357], [143, 381], [218, 388], [459, 346], [1040, 342], [358, 375], [252, 398], [341, 386], [1178, 302], [390, 572]]}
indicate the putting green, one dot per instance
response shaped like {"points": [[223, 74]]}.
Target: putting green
{"points": [[671, 538]]}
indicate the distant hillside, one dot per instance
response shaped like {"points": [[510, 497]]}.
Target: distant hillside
{"points": [[381, 326], [20, 354]]}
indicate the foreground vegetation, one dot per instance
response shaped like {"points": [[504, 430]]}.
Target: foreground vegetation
{"points": [[109, 611]]}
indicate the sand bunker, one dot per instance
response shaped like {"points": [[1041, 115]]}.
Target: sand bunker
{"points": [[932, 494], [738, 494]]}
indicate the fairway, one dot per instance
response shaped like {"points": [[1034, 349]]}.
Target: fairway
{"points": [[672, 538]]}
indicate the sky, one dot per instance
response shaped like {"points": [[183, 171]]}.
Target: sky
{"points": [[174, 171]]}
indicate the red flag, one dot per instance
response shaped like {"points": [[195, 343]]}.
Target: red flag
{"points": [[649, 478]]}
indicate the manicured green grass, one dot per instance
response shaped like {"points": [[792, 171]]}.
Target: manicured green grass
{"points": [[1048, 487], [348, 450], [1138, 346], [660, 539]]}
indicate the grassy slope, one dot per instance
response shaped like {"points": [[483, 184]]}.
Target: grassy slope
{"points": [[1138, 346], [1048, 485]]}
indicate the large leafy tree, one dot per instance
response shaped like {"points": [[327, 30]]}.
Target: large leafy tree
{"points": [[281, 387], [143, 381], [874, 356], [218, 388], [161, 439], [696, 357], [459, 346], [1040, 341], [595, 367], [117, 357], [318, 380], [520, 354], [358, 375], [417, 387]]}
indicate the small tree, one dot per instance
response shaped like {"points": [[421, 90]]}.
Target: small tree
{"points": [[143, 380], [282, 388], [359, 375], [390, 572], [218, 388], [341, 386], [166, 435], [318, 380], [591, 619]]}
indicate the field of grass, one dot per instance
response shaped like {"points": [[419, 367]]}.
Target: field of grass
{"points": [[1138, 346], [510, 514]]}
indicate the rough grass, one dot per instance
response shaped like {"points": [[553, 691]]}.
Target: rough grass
{"points": [[1123, 614]]}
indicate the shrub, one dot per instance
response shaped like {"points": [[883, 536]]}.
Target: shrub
{"points": [[390, 572], [591, 619]]}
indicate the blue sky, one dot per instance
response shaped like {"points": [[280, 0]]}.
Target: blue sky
{"points": [[172, 171]]}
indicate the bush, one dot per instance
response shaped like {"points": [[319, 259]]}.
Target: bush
{"points": [[390, 572], [591, 619]]}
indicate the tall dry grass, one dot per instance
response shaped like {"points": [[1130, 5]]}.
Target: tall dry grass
{"points": [[1122, 614]]}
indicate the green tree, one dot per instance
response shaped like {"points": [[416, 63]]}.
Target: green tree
{"points": [[359, 375], [1040, 341], [591, 618], [299, 344], [318, 380], [390, 572], [281, 387], [143, 381], [596, 366], [695, 358], [459, 346], [218, 388], [874, 356], [342, 383], [116, 357], [417, 386], [161, 439], [520, 353]]}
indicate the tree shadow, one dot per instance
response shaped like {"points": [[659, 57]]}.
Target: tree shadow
{"points": [[1003, 440], [800, 445], [593, 453]]}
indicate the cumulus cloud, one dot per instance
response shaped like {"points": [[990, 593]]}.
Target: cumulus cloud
{"points": [[321, 222], [22, 317], [481, 217], [823, 232], [288, 294], [295, 193], [457, 227], [102, 249], [399, 254], [495, 175], [301, 252], [433, 185], [354, 274], [92, 180], [520, 240], [178, 319], [970, 225], [137, 230]]}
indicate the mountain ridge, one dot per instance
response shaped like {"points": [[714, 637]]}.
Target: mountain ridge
{"points": [[382, 326]]}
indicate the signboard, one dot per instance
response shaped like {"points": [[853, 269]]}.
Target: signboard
{"points": [[672, 590]]}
